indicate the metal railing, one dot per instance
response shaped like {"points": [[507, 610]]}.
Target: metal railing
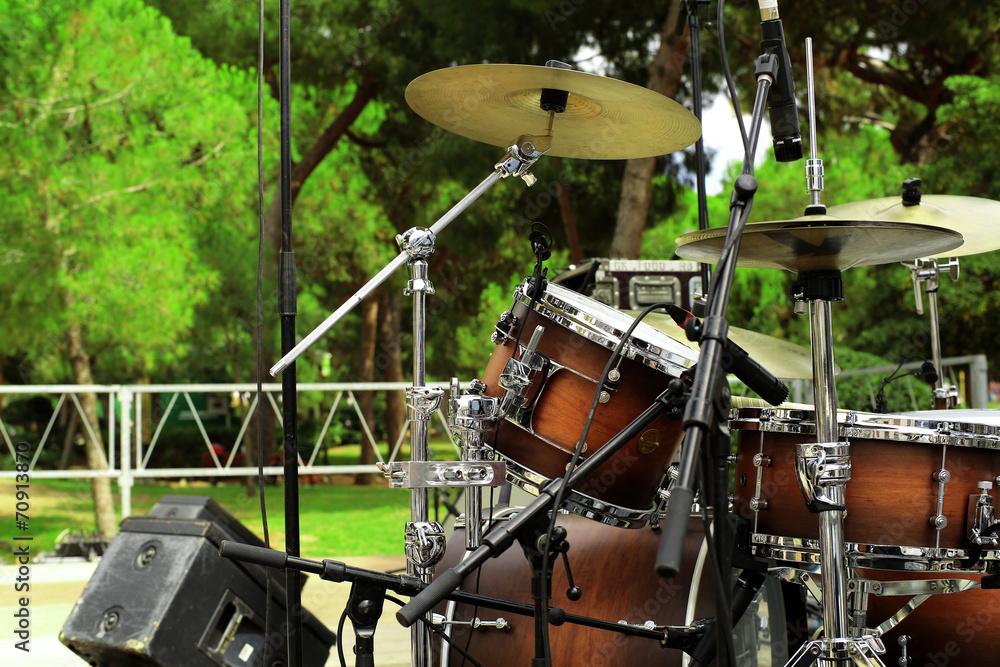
{"points": [[968, 373], [125, 434]]}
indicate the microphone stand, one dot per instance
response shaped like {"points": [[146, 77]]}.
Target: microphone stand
{"points": [[707, 411], [690, 7], [287, 307], [369, 588]]}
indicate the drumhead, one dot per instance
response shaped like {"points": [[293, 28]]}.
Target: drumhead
{"points": [[605, 326], [961, 428]]}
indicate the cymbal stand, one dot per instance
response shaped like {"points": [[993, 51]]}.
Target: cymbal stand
{"points": [[925, 273], [424, 539], [823, 468]]}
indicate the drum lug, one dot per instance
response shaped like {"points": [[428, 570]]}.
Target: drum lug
{"points": [[904, 657], [982, 516]]}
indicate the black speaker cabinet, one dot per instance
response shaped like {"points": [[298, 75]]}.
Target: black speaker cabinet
{"points": [[163, 597]]}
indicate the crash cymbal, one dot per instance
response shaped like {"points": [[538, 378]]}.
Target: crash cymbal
{"points": [[975, 219], [604, 119], [785, 360], [822, 243]]}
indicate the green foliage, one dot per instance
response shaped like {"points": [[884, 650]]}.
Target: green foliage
{"points": [[130, 139]]}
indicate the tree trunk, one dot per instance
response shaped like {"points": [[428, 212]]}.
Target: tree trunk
{"points": [[569, 222], [664, 77], [366, 373], [67, 451], [104, 505], [390, 361]]}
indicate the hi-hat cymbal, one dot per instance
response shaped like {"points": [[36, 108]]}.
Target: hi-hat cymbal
{"points": [[822, 243], [785, 360], [605, 119], [975, 219]]}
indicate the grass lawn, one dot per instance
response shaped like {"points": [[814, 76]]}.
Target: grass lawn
{"points": [[335, 519]]}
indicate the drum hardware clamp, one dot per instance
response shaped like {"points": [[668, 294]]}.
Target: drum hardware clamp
{"points": [[518, 376], [982, 516], [820, 468]]}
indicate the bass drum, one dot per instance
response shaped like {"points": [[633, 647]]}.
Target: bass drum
{"points": [[615, 570], [957, 629]]}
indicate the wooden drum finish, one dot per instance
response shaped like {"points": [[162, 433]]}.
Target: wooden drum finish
{"points": [[562, 400], [947, 630], [892, 494], [615, 570]]}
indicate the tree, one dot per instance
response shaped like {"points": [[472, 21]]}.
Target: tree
{"points": [[110, 121]]}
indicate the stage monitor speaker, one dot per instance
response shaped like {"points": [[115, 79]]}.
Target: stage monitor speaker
{"points": [[162, 596]]}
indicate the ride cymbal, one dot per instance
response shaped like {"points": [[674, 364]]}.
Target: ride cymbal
{"points": [[604, 118], [975, 219], [822, 243]]}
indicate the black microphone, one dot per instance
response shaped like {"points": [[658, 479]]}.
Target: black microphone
{"points": [[781, 97], [737, 361], [929, 372]]}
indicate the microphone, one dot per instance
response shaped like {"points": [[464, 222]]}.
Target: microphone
{"points": [[737, 361], [929, 373], [781, 98]]}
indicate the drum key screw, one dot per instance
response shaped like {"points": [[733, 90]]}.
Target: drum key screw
{"points": [[758, 504], [939, 521], [942, 476], [605, 397], [614, 375], [762, 460]]}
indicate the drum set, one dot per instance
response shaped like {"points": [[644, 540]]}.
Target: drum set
{"points": [[848, 529]]}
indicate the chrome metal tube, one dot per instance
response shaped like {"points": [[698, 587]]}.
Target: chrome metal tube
{"points": [[831, 523]]}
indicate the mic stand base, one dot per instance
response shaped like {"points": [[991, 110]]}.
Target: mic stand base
{"points": [[364, 609]]}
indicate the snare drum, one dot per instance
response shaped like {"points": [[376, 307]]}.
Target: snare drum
{"points": [[908, 499], [538, 437]]}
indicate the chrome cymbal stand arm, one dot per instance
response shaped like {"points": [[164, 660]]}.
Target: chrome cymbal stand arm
{"points": [[517, 162]]}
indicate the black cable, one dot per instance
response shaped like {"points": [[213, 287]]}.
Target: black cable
{"points": [[731, 85], [616, 356], [881, 406], [340, 639], [723, 614]]}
